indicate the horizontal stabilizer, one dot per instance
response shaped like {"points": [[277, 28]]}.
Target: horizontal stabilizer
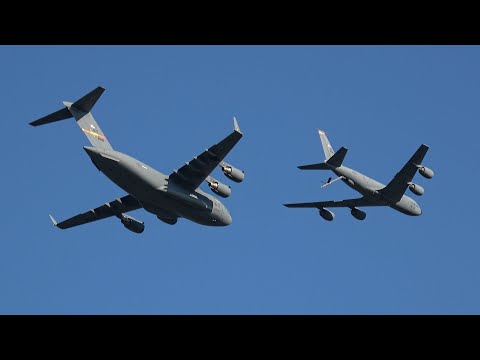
{"points": [[87, 102], [351, 203], [321, 166], [61, 114], [337, 159]]}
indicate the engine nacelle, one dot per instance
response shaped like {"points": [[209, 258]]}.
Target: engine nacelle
{"points": [[220, 189], [358, 214], [426, 172], [169, 221], [132, 224], [233, 173], [327, 214], [416, 189]]}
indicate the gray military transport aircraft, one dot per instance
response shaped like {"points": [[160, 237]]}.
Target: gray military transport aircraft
{"points": [[374, 193], [167, 197]]}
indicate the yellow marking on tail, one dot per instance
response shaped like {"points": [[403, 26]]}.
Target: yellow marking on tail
{"points": [[94, 134]]}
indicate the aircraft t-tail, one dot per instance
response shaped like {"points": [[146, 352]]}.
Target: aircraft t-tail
{"points": [[373, 192], [168, 197]]}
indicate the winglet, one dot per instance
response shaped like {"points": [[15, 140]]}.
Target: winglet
{"points": [[235, 125], [53, 220]]}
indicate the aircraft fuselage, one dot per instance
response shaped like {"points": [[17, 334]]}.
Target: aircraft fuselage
{"points": [[156, 193], [369, 188]]}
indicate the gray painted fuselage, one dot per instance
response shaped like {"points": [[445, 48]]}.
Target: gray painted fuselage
{"points": [[369, 188], [156, 193]]}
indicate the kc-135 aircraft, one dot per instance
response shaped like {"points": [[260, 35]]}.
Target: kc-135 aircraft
{"points": [[168, 197], [374, 193]]}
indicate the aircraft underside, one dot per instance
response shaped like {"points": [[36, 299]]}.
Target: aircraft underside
{"points": [[373, 192], [168, 197]]}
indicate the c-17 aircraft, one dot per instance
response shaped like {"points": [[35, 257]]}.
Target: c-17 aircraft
{"points": [[374, 193], [167, 197]]}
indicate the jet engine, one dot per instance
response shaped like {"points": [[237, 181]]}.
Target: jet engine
{"points": [[169, 221], [425, 172], [232, 172], [218, 188], [132, 224], [327, 214], [358, 214], [416, 189]]}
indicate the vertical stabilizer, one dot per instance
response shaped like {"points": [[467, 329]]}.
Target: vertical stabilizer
{"points": [[80, 110], [327, 148], [331, 157]]}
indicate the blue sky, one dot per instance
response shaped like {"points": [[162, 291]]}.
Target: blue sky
{"points": [[166, 104]]}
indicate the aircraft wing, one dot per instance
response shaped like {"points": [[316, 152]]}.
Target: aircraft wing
{"points": [[113, 208], [397, 187], [358, 202], [193, 173]]}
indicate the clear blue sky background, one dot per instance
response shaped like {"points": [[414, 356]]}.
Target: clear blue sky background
{"points": [[165, 104]]}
